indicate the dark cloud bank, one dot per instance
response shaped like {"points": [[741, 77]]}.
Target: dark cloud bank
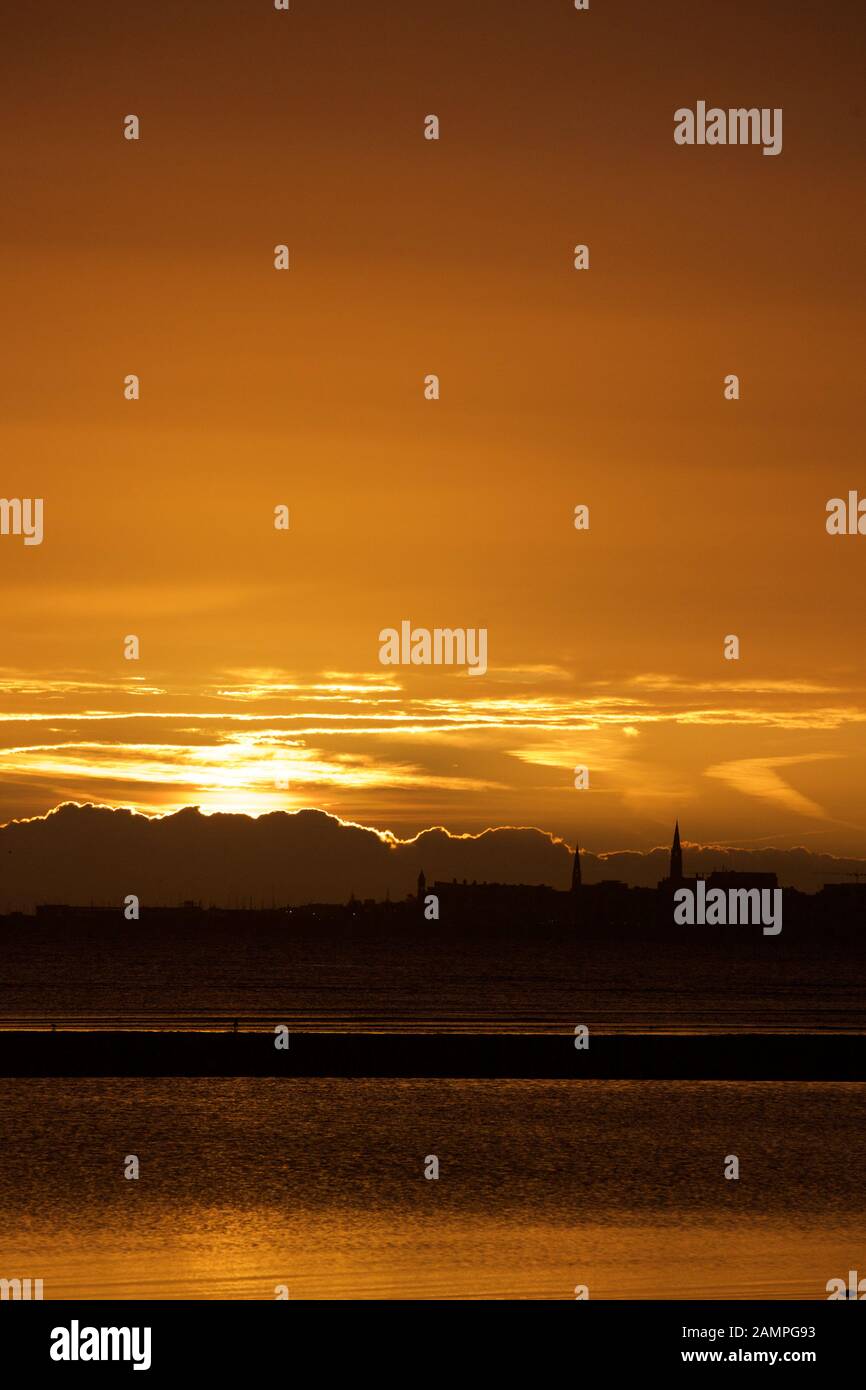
{"points": [[84, 854]]}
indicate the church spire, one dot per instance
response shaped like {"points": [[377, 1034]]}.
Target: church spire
{"points": [[575, 869], [676, 855]]}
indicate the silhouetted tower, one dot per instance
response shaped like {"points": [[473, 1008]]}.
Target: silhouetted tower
{"points": [[422, 887], [576, 896], [575, 869], [676, 856]]}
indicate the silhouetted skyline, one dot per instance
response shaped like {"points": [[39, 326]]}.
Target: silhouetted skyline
{"points": [[88, 854]]}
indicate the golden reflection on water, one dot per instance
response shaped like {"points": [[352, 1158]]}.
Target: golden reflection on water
{"points": [[318, 1185]]}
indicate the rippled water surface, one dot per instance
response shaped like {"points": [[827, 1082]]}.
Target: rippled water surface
{"points": [[319, 1184]]}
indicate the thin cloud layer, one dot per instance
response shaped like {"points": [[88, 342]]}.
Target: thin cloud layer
{"points": [[418, 748]]}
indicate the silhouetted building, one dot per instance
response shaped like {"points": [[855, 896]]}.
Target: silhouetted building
{"points": [[575, 869], [844, 898], [576, 886], [676, 872], [676, 878], [732, 878]]}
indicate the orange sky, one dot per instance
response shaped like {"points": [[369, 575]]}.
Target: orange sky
{"points": [[259, 648]]}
